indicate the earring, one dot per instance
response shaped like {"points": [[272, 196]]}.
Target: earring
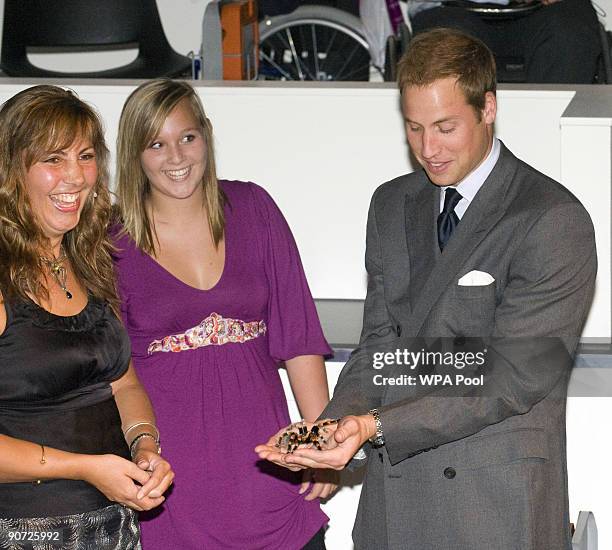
{"points": [[95, 195]]}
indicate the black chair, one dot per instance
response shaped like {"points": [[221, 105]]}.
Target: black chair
{"points": [[512, 69], [509, 69], [88, 25]]}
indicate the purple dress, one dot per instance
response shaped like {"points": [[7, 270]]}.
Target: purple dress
{"points": [[209, 361]]}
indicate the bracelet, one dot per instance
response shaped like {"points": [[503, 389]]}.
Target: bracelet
{"points": [[129, 429], [43, 461], [141, 436], [378, 439]]}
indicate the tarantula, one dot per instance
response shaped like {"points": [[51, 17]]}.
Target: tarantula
{"points": [[299, 434]]}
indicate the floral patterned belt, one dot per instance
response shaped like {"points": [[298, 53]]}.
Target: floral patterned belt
{"points": [[215, 330]]}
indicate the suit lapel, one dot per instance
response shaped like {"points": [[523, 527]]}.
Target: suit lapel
{"points": [[436, 271], [421, 237]]}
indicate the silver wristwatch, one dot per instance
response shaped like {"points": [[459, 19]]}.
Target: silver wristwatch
{"points": [[378, 439]]}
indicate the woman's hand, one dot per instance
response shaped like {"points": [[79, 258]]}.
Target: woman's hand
{"points": [[322, 483], [159, 469], [119, 480]]}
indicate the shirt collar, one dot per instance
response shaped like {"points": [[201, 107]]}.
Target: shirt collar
{"points": [[470, 185]]}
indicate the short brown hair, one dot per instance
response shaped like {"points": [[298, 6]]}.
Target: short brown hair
{"points": [[442, 53]]}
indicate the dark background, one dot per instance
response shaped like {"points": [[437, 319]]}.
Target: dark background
{"points": [[278, 7]]}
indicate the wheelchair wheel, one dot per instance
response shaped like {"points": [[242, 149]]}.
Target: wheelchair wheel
{"points": [[313, 43]]}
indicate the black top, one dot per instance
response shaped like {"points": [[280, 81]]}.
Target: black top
{"points": [[55, 375]]}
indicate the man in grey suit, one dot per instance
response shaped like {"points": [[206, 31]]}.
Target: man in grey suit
{"points": [[476, 249]]}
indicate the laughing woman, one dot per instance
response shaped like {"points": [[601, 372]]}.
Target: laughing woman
{"points": [[214, 297], [66, 475]]}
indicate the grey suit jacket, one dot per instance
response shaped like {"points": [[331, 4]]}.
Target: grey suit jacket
{"points": [[473, 473]]}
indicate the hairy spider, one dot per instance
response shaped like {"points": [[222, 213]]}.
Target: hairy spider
{"points": [[299, 434]]}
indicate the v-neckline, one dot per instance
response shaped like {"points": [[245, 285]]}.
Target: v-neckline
{"points": [[179, 281]]}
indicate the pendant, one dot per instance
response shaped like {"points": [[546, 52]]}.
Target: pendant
{"points": [[58, 272]]}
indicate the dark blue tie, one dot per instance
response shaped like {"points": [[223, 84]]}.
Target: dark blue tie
{"points": [[448, 220]]}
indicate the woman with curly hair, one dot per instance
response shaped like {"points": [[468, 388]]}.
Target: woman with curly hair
{"points": [[66, 467]]}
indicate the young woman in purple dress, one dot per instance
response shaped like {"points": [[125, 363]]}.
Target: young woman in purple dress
{"points": [[214, 299]]}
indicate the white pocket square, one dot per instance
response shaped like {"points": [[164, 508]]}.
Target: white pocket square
{"points": [[476, 278]]}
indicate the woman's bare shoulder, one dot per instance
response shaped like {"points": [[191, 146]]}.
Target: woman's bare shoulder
{"points": [[2, 314]]}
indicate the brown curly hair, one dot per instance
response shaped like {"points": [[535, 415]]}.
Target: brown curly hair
{"points": [[33, 123]]}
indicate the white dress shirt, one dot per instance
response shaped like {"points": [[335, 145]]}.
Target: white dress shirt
{"points": [[469, 186]]}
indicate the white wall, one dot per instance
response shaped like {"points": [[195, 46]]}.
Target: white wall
{"points": [[604, 11], [321, 150]]}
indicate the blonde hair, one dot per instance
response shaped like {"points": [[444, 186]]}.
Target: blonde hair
{"points": [[442, 53], [142, 118], [33, 123]]}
